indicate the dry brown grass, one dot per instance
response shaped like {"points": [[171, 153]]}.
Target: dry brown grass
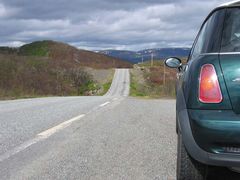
{"points": [[148, 81], [26, 76]]}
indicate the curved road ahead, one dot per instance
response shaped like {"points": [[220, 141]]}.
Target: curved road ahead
{"points": [[106, 137]]}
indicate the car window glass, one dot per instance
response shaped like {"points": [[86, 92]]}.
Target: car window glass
{"points": [[209, 38], [231, 32]]}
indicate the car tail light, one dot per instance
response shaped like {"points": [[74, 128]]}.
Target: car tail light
{"points": [[209, 89]]}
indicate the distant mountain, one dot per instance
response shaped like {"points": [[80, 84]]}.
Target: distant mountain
{"points": [[137, 56], [65, 54]]}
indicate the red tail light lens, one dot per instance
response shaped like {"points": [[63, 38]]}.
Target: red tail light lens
{"points": [[209, 89]]}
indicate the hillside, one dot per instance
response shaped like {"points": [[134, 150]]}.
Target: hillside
{"points": [[48, 68], [145, 55], [66, 54], [8, 50]]}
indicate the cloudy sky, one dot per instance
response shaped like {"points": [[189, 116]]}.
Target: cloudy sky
{"points": [[104, 24]]}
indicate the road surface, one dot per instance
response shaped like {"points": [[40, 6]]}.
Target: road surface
{"points": [[105, 137]]}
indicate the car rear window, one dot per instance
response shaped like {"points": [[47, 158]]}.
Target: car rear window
{"points": [[231, 31], [209, 37]]}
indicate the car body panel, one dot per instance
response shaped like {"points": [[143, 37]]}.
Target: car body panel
{"points": [[230, 64], [215, 130], [192, 147]]}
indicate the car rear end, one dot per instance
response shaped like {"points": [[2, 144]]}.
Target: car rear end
{"points": [[212, 90], [208, 97]]}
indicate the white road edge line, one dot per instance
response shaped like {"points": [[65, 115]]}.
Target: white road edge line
{"points": [[104, 104], [40, 137], [53, 130]]}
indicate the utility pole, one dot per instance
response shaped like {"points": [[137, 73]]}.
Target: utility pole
{"points": [[142, 59], [152, 59], [164, 74]]}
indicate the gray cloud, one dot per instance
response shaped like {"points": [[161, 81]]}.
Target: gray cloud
{"points": [[100, 24]]}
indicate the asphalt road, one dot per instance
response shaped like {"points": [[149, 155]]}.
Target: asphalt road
{"points": [[106, 137]]}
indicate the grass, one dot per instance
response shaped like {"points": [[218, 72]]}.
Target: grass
{"points": [[30, 77], [148, 81], [40, 49], [106, 87], [136, 88], [22, 77]]}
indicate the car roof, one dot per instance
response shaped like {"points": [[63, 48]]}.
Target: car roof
{"points": [[230, 4]]}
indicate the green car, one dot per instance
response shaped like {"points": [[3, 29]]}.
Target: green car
{"points": [[208, 97]]}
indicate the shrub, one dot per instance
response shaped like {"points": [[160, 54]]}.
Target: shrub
{"points": [[22, 76]]}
